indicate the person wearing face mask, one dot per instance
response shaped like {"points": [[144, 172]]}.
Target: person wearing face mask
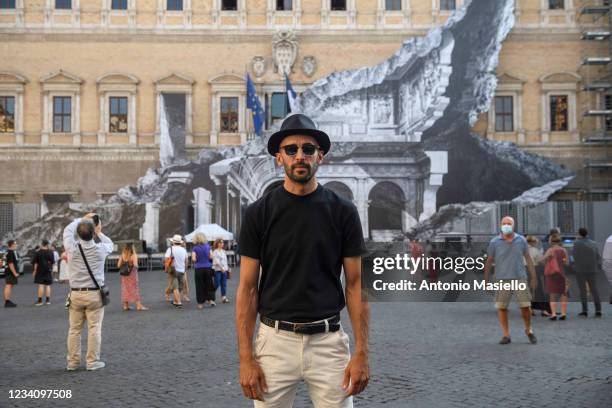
{"points": [[507, 251]]}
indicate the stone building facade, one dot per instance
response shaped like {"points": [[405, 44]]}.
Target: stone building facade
{"points": [[82, 83]]}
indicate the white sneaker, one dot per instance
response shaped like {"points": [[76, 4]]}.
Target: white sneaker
{"points": [[72, 368], [96, 366], [212, 303]]}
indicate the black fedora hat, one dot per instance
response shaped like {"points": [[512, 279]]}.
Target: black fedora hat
{"points": [[298, 124]]}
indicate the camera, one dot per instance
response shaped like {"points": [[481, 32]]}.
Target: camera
{"points": [[96, 219]]}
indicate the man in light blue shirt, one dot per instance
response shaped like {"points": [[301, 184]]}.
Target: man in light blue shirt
{"points": [[85, 300], [510, 253]]}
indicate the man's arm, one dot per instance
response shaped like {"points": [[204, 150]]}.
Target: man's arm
{"points": [[252, 377], [487, 267], [357, 371], [69, 233], [531, 269]]}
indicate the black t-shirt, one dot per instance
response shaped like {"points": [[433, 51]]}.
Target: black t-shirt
{"points": [[11, 258], [44, 258], [300, 242]]}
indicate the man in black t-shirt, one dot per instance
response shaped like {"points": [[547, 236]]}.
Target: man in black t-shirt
{"points": [[43, 276], [302, 236], [11, 272]]}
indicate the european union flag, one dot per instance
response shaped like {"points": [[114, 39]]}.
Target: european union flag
{"points": [[291, 94], [254, 105]]}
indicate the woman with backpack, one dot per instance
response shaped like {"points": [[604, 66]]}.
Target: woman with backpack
{"points": [[557, 284], [128, 269]]}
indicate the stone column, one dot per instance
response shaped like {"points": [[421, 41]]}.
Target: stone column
{"points": [[150, 228], [203, 205], [438, 168]]}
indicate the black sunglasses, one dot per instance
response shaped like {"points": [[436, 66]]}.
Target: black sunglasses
{"points": [[307, 148]]}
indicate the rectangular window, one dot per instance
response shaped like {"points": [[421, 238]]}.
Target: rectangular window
{"points": [[448, 5], [565, 217], [284, 5], [119, 5], [278, 107], [62, 114], [118, 114], [556, 4], [229, 5], [7, 4], [393, 5], [608, 106], [6, 218], [174, 5], [63, 4], [7, 114], [504, 115], [229, 114], [558, 113], [338, 5]]}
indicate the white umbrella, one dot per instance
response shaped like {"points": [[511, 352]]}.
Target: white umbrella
{"points": [[211, 232]]}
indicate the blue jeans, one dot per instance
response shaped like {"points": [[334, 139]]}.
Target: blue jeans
{"points": [[221, 280]]}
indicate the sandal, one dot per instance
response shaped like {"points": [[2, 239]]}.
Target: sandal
{"points": [[562, 317], [505, 340], [553, 317]]}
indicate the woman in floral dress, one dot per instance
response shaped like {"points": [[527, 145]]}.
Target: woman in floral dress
{"points": [[130, 293]]}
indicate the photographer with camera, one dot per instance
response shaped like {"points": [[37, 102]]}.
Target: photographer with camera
{"points": [[87, 248]]}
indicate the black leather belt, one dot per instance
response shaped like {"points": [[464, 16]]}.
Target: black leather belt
{"points": [[83, 289], [305, 328]]}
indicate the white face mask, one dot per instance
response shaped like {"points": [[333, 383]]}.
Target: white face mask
{"points": [[506, 229]]}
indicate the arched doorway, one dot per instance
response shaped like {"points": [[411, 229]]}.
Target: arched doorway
{"points": [[341, 189], [386, 206]]}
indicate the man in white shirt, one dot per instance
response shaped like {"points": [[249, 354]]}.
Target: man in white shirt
{"points": [[606, 261], [178, 267], [85, 299]]}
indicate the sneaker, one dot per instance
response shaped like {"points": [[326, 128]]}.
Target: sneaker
{"points": [[177, 305], [597, 314], [583, 314], [96, 366], [39, 303], [532, 338], [8, 303], [226, 300], [48, 302], [212, 303], [505, 340], [71, 368]]}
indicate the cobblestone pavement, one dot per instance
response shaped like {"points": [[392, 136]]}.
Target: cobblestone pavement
{"points": [[422, 355]]}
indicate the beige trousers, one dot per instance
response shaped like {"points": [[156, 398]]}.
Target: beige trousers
{"points": [[85, 306], [286, 358]]}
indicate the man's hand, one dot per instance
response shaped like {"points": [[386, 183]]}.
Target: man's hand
{"points": [[99, 226], [534, 282], [357, 372], [252, 380]]}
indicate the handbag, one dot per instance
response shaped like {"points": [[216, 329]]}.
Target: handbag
{"points": [[552, 265], [125, 269], [104, 292], [169, 261]]}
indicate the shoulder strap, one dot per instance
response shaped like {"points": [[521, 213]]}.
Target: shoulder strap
{"points": [[88, 268]]}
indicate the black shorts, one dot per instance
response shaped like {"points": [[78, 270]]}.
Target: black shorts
{"points": [[10, 278], [43, 279]]}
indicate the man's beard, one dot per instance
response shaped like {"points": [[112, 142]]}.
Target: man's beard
{"points": [[301, 178]]}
